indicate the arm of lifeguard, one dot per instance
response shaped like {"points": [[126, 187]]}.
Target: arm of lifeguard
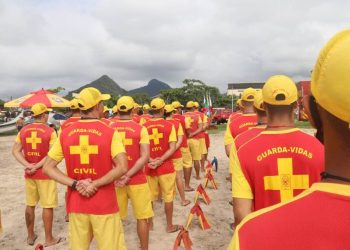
{"points": [[228, 140], [144, 153], [180, 136], [119, 159], [172, 145], [241, 192], [200, 127], [18, 154]]}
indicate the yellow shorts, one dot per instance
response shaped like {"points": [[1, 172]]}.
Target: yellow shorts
{"points": [[195, 149], [166, 183], [203, 146], [106, 229], [42, 191], [178, 164], [186, 157], [141, 201]]}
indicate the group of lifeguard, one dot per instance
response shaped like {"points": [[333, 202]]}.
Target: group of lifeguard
{"points": [[275, 168], [110, 160]]}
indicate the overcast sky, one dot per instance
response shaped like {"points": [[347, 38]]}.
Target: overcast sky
{"points": [[69, 43]]}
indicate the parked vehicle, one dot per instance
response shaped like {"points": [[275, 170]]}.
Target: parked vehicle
{"points": [[220, 115]]}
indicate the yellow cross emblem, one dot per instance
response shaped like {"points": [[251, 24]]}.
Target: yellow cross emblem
{"points": [[285, 181], [83, 149], [33, 139], [125, 141], [155, 136]]}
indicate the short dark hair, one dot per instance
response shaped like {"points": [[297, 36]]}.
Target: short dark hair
{"points": [[277, 109], [127, 112], [86, 112], [155, 111]]}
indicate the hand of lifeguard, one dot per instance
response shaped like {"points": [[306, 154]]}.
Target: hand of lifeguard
{"points": [[86, 187]]}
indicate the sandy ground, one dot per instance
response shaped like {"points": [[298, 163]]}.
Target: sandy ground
{"points": [[219, 212]]}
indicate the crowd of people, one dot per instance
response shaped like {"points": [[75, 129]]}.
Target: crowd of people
{"points": [[290, 189], [109, 161]]}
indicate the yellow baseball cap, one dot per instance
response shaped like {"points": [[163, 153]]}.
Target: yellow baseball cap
{"points": [[136, 105], [74, 104], [258, 100], [115, 109], [279, 90], [105, 109], [248, 95], [177, 104], [39, 108], [330, 81], [190, 104], [196, 104], [125, 103], [146, 107], [157, 103], [169, 108], [90, 97]]}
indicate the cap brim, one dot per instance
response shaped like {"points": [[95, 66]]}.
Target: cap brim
{"points": [[49, 109], [105, 97]]}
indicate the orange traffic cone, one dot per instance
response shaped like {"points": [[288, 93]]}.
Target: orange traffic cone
{"points": [[210, 178], [197, 210], [201, 192], [185, 237]]}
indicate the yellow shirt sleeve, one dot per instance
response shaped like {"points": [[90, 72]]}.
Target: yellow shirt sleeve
{"points": [[142, 121], [180, 131], [200, 121], [228, 138], [18, 138], [205, 119], [172, 136], [117, 146], [187, 122], [144, 136], [53, 138], [240, 185], [56, 151]]}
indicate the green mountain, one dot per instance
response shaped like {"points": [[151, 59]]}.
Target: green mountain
{"points": [[105, 84], [152, 89]]}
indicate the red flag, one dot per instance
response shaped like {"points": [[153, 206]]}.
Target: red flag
{"points": [[197, 210], [185, 237], [210, 178], [201, 191]]}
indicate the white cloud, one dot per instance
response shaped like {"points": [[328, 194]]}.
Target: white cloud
{"points": [[70, 43]]}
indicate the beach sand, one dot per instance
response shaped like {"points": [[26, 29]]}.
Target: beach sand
{"points": [[218, 213]]}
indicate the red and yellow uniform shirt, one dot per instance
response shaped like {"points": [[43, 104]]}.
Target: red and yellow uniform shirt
{"points": [[193, 121], [204, 119], [144, 118], [233, 116], [36, 139], [240, 140], [132, 135], [136, 118], [106, 121], [316, 219], [161, 133], [181, 118], [69, 122], [88, 147], [239, 125], [179, 132], [275, 166]]}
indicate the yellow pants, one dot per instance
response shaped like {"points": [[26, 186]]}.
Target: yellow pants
{"points": [[42, 191], [203, 146], [106, 229], [141, 200], [186, 157], [178, 164], [166, 183], [195, 149]]}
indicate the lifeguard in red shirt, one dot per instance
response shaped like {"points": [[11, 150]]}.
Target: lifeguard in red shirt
{"points": [[281, 161], [133, 185], [160, 170], [91, 150]]}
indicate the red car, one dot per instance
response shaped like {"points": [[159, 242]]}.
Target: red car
{"points": [[220, 115]]}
